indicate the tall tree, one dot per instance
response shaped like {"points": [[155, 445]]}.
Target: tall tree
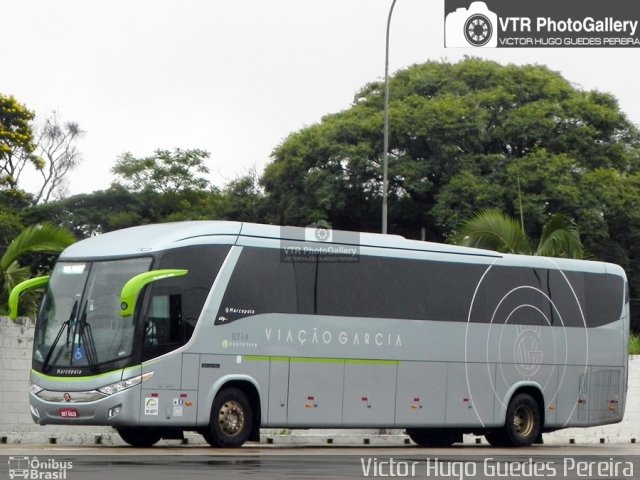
{"points": [[459, 132], [242, 199], [16, 142], [56, 146], [166, 172]]}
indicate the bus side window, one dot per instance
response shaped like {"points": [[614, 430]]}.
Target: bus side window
{"points": [[164, 327], [261, 283]]}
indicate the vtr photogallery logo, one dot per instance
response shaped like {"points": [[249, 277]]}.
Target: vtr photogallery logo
{"points": [[541, 24], [475, 26]]}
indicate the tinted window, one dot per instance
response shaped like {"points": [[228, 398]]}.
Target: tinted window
{"points": [[261, 283], [382, 287], [174, 304], [604, 299], [527, 296], [397, 288]]}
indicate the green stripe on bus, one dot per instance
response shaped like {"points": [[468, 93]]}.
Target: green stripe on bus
{"points": [[348, 361], [52, 378], [354, 361]]}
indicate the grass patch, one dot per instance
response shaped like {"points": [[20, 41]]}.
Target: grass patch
{"points": [[634, 344]]}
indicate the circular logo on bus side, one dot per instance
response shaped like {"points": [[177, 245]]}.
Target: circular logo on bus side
{"points": [[527, 354], [517, 334]]}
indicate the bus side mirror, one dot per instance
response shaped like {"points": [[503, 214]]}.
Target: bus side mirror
{"points": [[133, 287], [22, 287]]}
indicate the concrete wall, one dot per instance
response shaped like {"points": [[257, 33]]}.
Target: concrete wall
{"points": [[16, 425], [15, 364]]}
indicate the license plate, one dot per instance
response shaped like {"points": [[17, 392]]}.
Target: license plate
{"points": [[69, 413]]}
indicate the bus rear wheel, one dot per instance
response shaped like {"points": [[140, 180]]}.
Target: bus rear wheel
{"points": [[140, 437], [231, 420], [522, 426], [426, 437]]}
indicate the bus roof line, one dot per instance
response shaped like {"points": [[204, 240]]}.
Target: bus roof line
{"points": [[476, 253]]}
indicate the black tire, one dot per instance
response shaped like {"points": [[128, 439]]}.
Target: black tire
{"points": [[231, 420], [496, 438], [426, 437], [522, 425], [140, 437]]}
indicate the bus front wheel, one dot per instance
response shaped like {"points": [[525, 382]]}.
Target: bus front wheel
{"points": [[140, 437], [231, 419]]}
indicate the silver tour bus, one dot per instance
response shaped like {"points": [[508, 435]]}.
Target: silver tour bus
{"points": [[224, 328]]}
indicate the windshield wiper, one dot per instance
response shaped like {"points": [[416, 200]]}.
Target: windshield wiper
{"points": [[86, 338], [64, 325]]}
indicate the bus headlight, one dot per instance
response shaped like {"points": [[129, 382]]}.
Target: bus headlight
{"points": [[124, 384], [35, 389]]}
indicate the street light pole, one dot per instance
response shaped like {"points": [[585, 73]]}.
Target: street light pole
{"points": [[385, 139]]}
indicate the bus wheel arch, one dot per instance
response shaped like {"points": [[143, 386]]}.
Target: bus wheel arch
{"points": [[235, 415]]}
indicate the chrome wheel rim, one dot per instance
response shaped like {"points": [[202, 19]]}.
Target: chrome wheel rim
{"points": [[231, 418], [523, 420]]}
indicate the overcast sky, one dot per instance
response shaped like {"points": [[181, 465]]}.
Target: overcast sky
{"points": [[232, 77]]}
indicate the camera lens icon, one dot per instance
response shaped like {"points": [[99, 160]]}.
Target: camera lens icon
{"points": [[471, 27], [319, 232], [322, 233], [478, 30]]}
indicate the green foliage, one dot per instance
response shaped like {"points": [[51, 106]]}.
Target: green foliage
{"points": [[460, 136], [92, 213], [242, 199], [36, 239], [117, 207], [494, 230], [166, 172], [560, 238], [41, 238], [16, 141], [634, 344]]}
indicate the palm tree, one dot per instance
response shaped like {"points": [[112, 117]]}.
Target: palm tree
{"points": [[495, 230], [40, 238]]}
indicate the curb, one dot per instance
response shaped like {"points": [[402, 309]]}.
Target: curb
{"points": [[317, 438]]}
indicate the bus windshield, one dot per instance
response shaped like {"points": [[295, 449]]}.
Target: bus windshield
{"points": [[79, 324]]}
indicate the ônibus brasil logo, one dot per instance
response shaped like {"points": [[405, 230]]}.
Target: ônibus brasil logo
{"points": [[32, 468]]}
